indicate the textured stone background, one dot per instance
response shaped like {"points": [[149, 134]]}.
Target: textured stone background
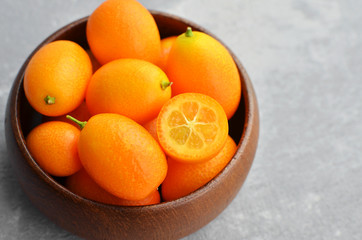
{"points": [[305, 60]]}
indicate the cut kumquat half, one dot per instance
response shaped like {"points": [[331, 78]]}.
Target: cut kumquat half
{"points": [[192, 127]]}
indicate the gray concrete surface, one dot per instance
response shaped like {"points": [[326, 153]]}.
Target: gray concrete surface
{"points": [[305, 60]]}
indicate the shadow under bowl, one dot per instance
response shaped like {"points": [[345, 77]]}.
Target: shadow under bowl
{"points": [[92, 220]]}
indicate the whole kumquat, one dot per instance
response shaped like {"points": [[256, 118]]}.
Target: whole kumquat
{"points": [[131, 87], [184, 178], [123, 29], [121, 156], [56, 78], [199, 63], [54, 146]]}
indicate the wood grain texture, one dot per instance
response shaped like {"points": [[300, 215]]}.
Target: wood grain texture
{"points": [[167, 220]]}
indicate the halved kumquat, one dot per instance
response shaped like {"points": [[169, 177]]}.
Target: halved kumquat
{"points": [[192, 127]]}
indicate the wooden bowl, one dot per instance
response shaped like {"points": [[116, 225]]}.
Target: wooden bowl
{"points": [[93, 220]]}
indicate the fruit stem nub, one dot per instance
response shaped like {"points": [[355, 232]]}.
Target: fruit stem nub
{"points": [[80, 123], [49, 100], [188, 32], [165, 84]]}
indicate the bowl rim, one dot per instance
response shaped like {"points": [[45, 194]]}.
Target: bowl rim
{"points": [[251, 112]]}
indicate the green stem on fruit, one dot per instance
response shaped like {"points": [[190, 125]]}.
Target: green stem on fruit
{"points": [[188, 32], [80, 123], [49, 100], [165, 84]]}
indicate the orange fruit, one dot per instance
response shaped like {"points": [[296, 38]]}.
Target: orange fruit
{"points": [[166, 45], [192, 127], [123, 29], [131, 87], [53, 145], [56, 78], [151, 127], [83, 185], [184, 178], [199, 63], [81, 113], [121, 156]]}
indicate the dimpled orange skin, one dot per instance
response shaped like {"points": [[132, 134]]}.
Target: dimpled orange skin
{"points": [[61, 69], [184, 178], [53, 145], [130, 87], [166, 45], [123, 29], [201, 64], [121, 156], [83, 185], [192, 127]]}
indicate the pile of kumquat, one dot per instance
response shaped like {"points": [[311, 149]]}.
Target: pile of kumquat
{"points": [[135, 119]]}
